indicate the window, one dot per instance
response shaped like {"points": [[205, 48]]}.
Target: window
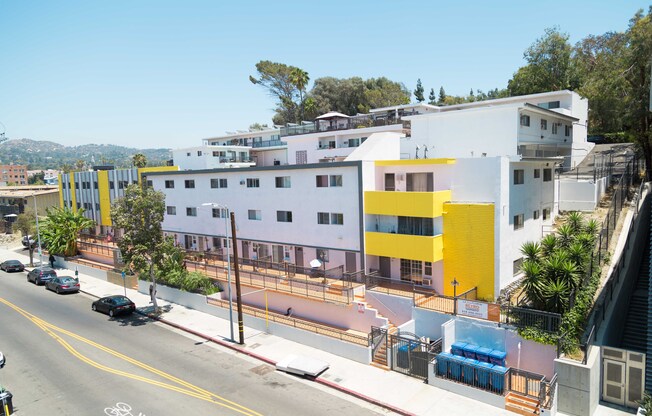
{"points": [[171, 210], [323, 218], [519, 176], [411, 270], [390, 184], [219, 213], [322, 181], [149, 184], [198, 152], [549, 104], [535, 215], [567, 131], [518, 221], [546, 213], [427, 268], [547, 175], [282, 181], [336, 180], [189, 183], [188, 154], [416, 226], [517, 265], [253, 183], [337, 219], [554, 128], [302, 157], [191, 211], [322, 254], [419, 182], [218, 183], [217, 242], [254, 214], [544, 124], [354, 142], [525, 120], [537, 173], [284, 216]]}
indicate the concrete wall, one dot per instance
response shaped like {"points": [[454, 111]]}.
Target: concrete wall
{"points": [[580, 195], [395, 308], [534, 357], [578, 391], [429, 323], [90, 271]]}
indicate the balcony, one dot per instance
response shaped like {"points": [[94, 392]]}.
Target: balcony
{"points": [[406, 204], [268, 143], [355, 122], [414, 247]]}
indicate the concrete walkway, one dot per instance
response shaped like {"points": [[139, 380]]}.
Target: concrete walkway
{"points": [[394, 391]]}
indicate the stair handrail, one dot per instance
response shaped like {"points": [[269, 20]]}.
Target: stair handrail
{"points": [[388, 308], [547, 392]]}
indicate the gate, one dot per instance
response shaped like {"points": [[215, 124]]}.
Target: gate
{"points": [[411, 356], [378, 344], [623, 376]]}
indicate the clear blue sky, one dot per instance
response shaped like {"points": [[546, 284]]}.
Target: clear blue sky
{"points": [[157, 73]]}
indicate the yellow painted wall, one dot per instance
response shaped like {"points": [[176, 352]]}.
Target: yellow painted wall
{"points": [[60, 191], [403, 246], [413, 162], [105, 197], [469, 248], [408, 204], [155, 169]]}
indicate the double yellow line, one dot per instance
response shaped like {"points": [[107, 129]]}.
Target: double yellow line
{"points": [[186, 388]]}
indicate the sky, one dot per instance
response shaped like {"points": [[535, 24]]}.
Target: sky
{"points": [[166, 74]]}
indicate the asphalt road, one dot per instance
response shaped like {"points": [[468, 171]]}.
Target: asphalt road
{"points": [[64, 359]]}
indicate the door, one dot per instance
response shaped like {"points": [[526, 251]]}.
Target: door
{"points": [[613, 384], [298, 256], [351, 266], [385, 267], [277, 253], [635, 385], [245, 249]]}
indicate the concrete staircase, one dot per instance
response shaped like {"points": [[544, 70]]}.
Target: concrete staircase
{"points": [[523, 405], [636, 325]]}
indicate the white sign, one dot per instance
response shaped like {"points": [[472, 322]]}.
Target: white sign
{"points": [[472, 309]]}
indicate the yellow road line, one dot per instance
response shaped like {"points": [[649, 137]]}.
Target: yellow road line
{"points": [[192, 390]]}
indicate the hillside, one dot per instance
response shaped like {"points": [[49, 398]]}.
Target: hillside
{"points": [[41, 154]]}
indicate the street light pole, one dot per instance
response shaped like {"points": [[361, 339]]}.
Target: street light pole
{"points": [[228, 261], [38, 232], [455, 283], [238, 292]]}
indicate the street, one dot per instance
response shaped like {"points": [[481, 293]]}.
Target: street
{"points": [[63, 358]]}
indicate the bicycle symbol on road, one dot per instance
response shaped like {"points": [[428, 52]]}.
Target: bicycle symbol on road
{"points": [[120, 409]]}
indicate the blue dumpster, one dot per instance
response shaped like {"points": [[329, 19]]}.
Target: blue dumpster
{"points": [[443, 359], [470, 365], [482, 354], [403, 356], [458, 348], [498, 378], [455, 367], [497, 357], [483, 374], [470, 350]]}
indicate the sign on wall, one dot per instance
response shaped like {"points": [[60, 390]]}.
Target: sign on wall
{"points": [[472, 309]]}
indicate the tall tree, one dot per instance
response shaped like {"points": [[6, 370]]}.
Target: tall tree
{"points": [[139, 213], [548, 65], [277, 79], [432, 97], [61, 227], [139, 160], [26, 224], [418, 92], [300, 79], [442, 95]]}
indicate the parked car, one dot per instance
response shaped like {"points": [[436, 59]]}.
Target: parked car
{"points": [[40, 275], [114, 305], [28, 240], [61, 284], [12, 266]]}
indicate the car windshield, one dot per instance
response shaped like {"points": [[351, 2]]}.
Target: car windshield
{"points": [[121, 300], [67, 280], [12, 262]]}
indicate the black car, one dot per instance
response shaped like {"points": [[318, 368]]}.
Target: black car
{"points": [[12, 266], [63, 284], [114, 305], [40, 275]]}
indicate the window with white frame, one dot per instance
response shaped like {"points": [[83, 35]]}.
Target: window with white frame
{"points": [[218, 183], [554, 128], [191, 211], [171, 210], [518, 221], [219, 213], [537, 173], [336, 180], [519, 176], [322, 181], [544, 124], [323, 218], [254, 214], [427, 268], [253, 183], [189, 183], [282, 181], [411, 270], [525, 120], [337, 219]]}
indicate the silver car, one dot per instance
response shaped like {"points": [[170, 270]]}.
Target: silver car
{"points": [[63, 284]]}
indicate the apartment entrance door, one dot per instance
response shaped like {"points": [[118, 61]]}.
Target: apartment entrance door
{"points": [[245, 249], [385, 267], [298, 256], [351, 264]]}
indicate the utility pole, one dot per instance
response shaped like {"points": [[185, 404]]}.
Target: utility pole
{"points": [[238, 291]]}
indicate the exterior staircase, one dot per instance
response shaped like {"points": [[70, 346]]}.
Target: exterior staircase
{"points": [[523, 405], [636, 325], [380, 357]]}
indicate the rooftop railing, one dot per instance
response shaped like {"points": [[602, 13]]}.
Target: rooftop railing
{"points": [[355, 122], [268, 143]]}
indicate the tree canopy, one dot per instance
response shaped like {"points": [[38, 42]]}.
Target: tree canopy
{"points": [[61, 228]]}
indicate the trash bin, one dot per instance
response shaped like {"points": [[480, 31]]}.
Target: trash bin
{"points": [[484, 369], [455, 367], [458, 348], [482, 354], [497, 357], [403, 356], [6, 399], [443, 359], [498, 378], [470, 350], [470, 365]]}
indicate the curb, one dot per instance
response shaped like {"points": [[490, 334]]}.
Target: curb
{"points": [[236, 348]]}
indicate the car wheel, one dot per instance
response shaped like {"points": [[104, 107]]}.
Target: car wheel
{"points": [[93, 307], [111, 313], [57, 290]]}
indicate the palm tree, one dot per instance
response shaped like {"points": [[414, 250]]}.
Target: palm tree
{"points": [[592, 226], [565, 235], [300, 79], [139, 160], [556, 294], [61, 229], [531, 250], [548, 245], [576, 221], [532, 284], [577, 254]]}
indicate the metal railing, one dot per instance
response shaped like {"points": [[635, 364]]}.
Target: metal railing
{"points": [[524, 318], [298, 323], [525, 383], [547, 393], [96, 248], [268, 143], [354, 122]]}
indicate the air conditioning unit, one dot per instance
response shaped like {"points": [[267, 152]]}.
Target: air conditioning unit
{"points": [[427, 282]]}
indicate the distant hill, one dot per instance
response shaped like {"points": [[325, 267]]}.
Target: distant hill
{"points": [[41, 154]]}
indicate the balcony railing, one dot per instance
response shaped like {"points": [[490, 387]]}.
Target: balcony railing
{"points": [[355, 122], [268, 143]]}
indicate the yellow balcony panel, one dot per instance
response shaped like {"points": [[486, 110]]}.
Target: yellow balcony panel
{"points": [[414, 247], [406, 204]]}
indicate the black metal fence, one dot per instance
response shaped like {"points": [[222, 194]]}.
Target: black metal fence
{"points": [[528, 318], [411, 356]]}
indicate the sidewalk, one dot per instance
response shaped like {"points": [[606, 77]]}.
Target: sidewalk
{"points": [[394, 391]]}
